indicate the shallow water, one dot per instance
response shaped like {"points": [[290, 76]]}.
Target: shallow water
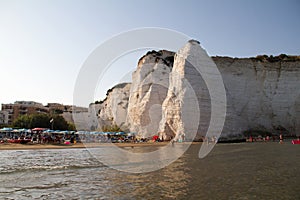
{"points": [[230, 171]]}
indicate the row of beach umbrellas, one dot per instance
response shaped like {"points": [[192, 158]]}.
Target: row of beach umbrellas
{"points": [[104, 133], [64, 132]]}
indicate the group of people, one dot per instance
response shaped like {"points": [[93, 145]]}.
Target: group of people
{"points": [[267, 139]]}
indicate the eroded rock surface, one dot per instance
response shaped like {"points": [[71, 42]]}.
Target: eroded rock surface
{"points": [[262, 93], [113, 110], [149, 89]]}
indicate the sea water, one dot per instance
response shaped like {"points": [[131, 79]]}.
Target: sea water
{"points": [[230, 171]]}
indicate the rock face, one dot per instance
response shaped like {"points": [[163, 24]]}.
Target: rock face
{"points": [[148, 91], [94, 109], [169, 97], [113, 110], [261, 94], [187, 97]]}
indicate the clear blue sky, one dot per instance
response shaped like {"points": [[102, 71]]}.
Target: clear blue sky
{"points": [[43, 43]]}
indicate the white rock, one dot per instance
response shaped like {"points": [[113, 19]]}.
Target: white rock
{"points": [[113, 110], [186, 110], [261, 95], [148, 91], [173, 99]]}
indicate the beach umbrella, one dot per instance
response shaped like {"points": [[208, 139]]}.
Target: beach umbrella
{"points": [[63, 132], [119, 133], [155, 137], [39, 129], [17, 130], [26, 130], [57, 131], [131, 134], [6, 129]]}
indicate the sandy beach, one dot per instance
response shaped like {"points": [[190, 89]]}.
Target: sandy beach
{"points": [[11, 146]]}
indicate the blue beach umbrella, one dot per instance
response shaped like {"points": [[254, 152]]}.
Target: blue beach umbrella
{"points": [[6, 129]]}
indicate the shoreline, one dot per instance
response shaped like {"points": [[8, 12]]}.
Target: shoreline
{"points": [[30, 146], [12, 146]]}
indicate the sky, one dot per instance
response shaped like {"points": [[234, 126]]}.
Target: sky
{"points": [[44, 43]]}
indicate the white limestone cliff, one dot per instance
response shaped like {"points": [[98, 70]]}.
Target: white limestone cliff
{"points": [[261, 94], [113, 110], [186, 109], [148, 91], [172, 99]]}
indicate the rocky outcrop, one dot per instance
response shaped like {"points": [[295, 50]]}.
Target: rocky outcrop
{"points": [[186, 109], [168, 96], [113, 109], [148, 91]]}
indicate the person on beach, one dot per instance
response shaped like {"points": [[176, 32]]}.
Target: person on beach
{"points": [[173, 142], [280, 139], [250, 139], [215, 139]]}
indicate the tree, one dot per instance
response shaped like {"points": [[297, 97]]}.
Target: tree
{"points": [[39, 120], [32, 121], [22, 121], [42, 121], [71, 126], [59, 123], [57, 111], [112, 128]]}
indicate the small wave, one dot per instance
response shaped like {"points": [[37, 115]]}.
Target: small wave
{"points": [[49, 186], [36, 168]]}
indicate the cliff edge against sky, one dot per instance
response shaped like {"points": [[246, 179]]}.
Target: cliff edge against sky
{"points": [[263, 93]]}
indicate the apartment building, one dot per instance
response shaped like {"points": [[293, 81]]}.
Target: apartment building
{"points": [[18, 108], [3, 117]]}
